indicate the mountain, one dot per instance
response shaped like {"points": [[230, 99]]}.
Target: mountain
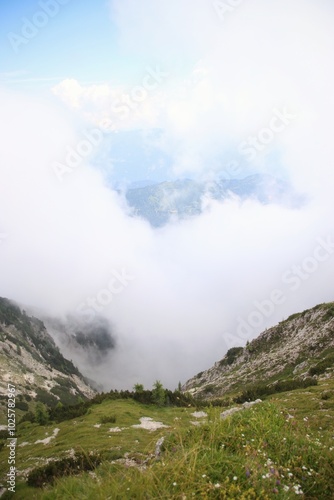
{"points": [[33, 363], [296, 349], [88, 342], [158, 203]]}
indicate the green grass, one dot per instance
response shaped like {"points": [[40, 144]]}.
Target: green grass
{"points": [[260, 453]]}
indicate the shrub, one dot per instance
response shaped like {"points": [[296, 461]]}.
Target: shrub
{"points": [[41, 414], [321, 367], [138, 388], [329, 314], [64, 394], [158, 393], [108, 419], [61, 413], [259, 390], [4, 434], [231, 356], [28, 417], [46, 397], [22, 405], [64, 467], [209, 388], [327, 395]]}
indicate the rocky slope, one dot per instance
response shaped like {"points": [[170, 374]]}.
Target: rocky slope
{"points": [[299, 347], [30, 360]]}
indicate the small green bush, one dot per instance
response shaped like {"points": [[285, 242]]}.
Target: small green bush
{"points": [[322, 366], [108, 419], [64, 467], [22, 405], [231, 356], [28, 417], [257, 391]]}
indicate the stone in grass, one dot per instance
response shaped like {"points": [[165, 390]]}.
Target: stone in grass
{"points": [[235, 409], [199, 414]]}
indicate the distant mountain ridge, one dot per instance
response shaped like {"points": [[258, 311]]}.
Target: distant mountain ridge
{"points": [[184, 198], [299, 347], [30, 360]]}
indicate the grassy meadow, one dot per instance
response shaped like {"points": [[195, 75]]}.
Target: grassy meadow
{"points": [[280, 448]]}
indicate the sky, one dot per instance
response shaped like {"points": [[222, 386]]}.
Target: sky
{"points": [[94, 94]]}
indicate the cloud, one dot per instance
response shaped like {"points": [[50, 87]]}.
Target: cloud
{"points": [[115, 107], [195, 279]]}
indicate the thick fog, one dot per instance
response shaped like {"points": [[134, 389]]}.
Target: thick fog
{"points": [[179, 296]]}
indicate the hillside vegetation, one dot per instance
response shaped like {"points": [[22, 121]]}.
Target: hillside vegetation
{"points": [[275, 449]]}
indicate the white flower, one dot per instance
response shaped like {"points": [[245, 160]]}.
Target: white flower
{"points": [[174, 484], [297, 489], [235, 478], [286, 488], [217, 485], [203, 475]]}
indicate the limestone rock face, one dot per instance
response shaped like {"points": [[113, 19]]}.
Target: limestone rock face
{"points": [[31, 361], [293, 349]]}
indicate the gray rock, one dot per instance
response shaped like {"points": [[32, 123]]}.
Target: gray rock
{"points": [[235, 409]]}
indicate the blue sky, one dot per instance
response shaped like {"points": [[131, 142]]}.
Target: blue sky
{"points": [[225, 75], [78, 42]]}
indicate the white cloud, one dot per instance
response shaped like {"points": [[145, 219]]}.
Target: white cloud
{"points": [[192, 279]]}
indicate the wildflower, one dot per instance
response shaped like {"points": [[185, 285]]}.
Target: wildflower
{"points": [[235, 478], [174, 484], [290, 474], [298, 490], [286, 488], [275, 490], [217, 485], [247, 472], [203, 475]]}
